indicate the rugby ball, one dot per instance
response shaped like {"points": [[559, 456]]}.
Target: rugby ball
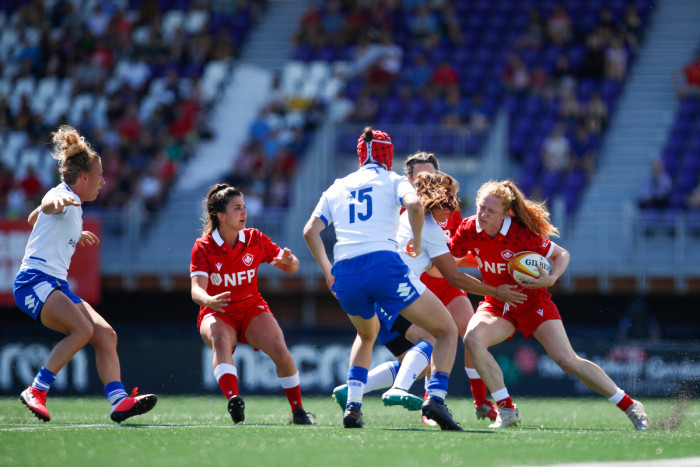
{"points": [[523, 266]]}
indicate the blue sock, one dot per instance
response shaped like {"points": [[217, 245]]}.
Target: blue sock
{"points": [[357, 379], [437, 386], [114, 392], [44, 379]]}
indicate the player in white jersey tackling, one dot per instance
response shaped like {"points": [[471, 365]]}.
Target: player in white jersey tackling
{"points": [[364, 208], [42, 291]]}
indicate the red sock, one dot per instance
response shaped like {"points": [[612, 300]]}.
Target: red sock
{"points": [[229, 385], [478, 391], [625, 403], [294, 396], [506, 403]]}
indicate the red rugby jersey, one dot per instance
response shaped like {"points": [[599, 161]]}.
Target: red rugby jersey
{"points": [[492, 254], [235, 269], [452, 223]]}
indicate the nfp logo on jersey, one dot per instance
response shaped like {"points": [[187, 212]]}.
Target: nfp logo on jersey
{"points": [[232, 279]]}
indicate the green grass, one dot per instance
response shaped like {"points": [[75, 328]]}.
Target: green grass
{"points": [[197, 430]]}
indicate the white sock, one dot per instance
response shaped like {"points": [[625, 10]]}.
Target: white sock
{"points": [[289, 381], [500, 394], [472, 373], [382, 376], [617, 397], [356, 389], [413, 363]]}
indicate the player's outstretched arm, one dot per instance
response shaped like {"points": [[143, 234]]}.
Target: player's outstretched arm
{"points": [[287, 262], [55, 204], [448, 268]]}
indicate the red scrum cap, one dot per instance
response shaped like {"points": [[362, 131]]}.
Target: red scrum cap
{"points": [[375, 147]]}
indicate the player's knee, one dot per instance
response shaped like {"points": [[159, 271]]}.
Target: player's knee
{"points": [[568, 363], [104, 336], [83, 331], [472, 341]]}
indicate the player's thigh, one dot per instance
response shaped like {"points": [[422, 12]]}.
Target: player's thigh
{"points": [[264, 333], [429, 313], [461, 310], [487, 329], [61, 314], [552, 335], [217, 330]]}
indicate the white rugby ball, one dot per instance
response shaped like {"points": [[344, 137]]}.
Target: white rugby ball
{"points": [[523, 266]]}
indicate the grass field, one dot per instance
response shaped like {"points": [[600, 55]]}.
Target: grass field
{"points": [[197, 430]]}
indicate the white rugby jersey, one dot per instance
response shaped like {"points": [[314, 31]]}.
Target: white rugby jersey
{"points": [[433, 243], [364, 209], [54, 237]]}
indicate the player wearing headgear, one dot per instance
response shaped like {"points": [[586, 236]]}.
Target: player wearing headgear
{"points": [[364, 209], [506, 222]]}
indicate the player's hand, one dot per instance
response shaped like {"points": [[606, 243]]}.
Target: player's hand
{"points": [[509, 293], [287, 257], [412, 249], [88, 239], [218, 302], [545, 280], [63, 201]]}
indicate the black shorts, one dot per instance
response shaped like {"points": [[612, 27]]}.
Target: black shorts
{"points": [[399, 344]]}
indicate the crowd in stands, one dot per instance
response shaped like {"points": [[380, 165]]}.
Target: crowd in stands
{"points": [[563, 77], [672, 186], [559, 67], [136, 77]]}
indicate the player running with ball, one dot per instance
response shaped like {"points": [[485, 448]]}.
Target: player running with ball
{"points": [[506, 223]]}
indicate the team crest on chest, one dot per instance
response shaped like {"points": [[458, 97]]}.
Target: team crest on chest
{"points": [[248, 259], [507, 254]]}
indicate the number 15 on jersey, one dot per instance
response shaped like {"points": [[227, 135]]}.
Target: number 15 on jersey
{"points": [[361, 197]]}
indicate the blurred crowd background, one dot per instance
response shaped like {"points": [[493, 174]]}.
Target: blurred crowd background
{"points": [[533, 86]]}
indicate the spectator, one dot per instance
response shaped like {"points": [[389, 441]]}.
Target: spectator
{"points": [[32, 187], [596, 113], [387, 66], [445, 76], [616, 58], [559, 26], [690, 85], [584, 154], [365, 109], [420, 71], [556, 151], [656, 188], [515, 76]]}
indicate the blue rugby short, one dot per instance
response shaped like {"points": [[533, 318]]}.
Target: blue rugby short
{"points": [[32, 287], [380, 278]]}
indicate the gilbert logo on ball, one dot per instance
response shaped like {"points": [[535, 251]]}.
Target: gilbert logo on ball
{"points": [[523, 266]]}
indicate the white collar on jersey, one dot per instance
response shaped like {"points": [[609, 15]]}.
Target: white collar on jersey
{"points": [[220, 241], [504, 228]]}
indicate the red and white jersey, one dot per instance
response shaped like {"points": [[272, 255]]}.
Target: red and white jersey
{"points": [[452, 223], [492, 254], [235, 269]]}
